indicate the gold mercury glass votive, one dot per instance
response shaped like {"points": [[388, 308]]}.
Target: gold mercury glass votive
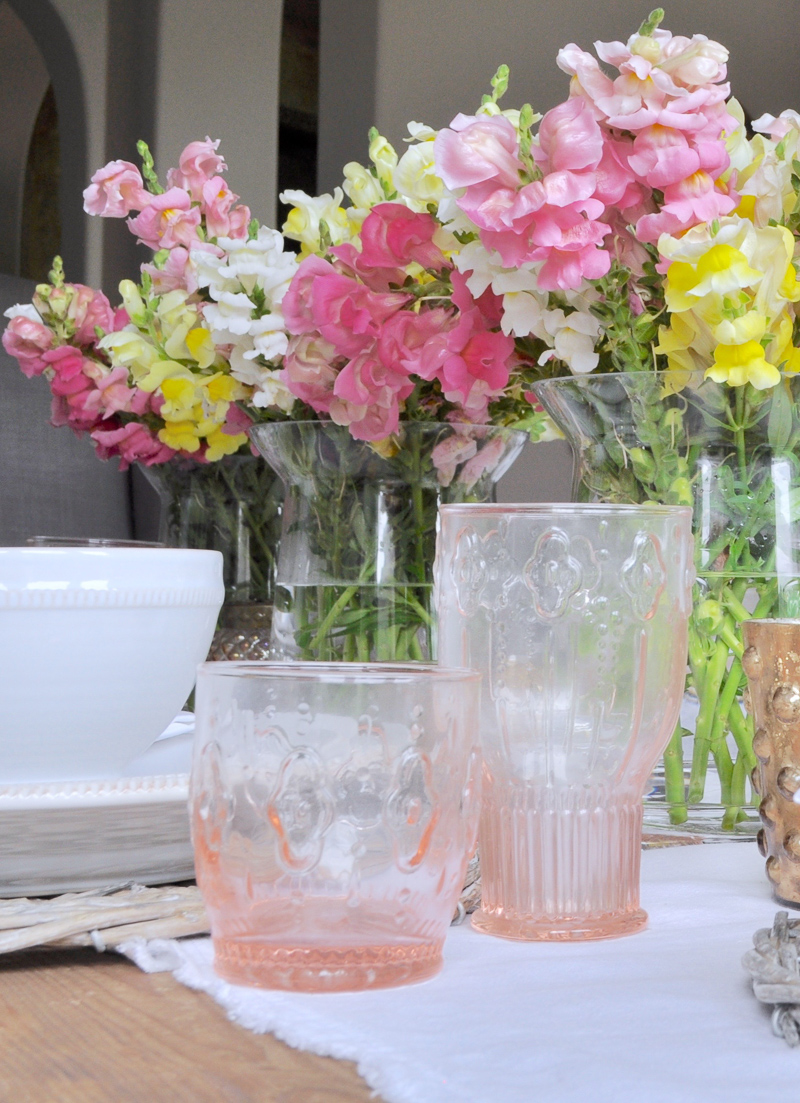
{"points": [[771, 662]]}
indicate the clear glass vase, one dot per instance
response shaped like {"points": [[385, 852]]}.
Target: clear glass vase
{"points": [[354, 575], [730, 453], [232, 506]]}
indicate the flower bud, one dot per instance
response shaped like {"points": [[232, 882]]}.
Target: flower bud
{"points": [[132, 301]]}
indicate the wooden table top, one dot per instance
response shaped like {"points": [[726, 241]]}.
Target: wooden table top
{"points": [[81, 1027]]}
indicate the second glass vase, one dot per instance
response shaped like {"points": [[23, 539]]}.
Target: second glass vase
{"points": [[354, 573], [730, 453]]}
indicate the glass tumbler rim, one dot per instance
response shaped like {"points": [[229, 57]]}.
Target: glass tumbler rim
{"points": [[492, 509], [342, 672]]}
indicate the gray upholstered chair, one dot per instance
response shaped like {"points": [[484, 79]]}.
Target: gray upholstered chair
{"points": [[51, 482]]}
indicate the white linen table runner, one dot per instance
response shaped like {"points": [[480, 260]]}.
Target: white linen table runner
{"points": [[664, 1016]]}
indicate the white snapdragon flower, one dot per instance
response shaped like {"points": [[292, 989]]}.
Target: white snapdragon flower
{"points": [[451, 215], [573, 338], [258, 262], [23, 310], [230, 314], [268, 386], [247, 285], [524, 304]]}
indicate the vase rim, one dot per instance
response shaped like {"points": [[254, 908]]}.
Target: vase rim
{"points": [[557, 509], [690, 377], [342, 672], [329, 423]]}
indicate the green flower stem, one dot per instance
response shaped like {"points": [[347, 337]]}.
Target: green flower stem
{"points": [[767, 600], [728, 634], [735, 606], [742, 731], [705, 718], [724, 763], [734, 813], [674, 786], [330, 617]]}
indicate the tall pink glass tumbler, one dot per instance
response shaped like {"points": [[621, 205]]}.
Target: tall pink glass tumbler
{"points": [[576, 615], [334, 809]]}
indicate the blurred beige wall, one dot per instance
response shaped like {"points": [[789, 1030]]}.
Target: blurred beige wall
{"points": [[436, 58], [87, 23], [218, 74]]}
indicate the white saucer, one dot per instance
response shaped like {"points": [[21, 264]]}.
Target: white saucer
{"points": [[67, 836]]}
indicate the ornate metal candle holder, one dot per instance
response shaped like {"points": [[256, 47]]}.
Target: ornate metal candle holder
{"points": [[772, 663]]}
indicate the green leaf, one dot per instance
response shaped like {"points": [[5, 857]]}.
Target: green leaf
{"points": [[779, 426]]}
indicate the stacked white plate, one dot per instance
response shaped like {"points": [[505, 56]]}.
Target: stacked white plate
{"points": [[71, 835]]}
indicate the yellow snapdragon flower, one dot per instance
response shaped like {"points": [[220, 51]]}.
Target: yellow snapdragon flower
{"points": [[737, 365], [303, 221], [721, 270], [180, 435], [223, 444], [131, 349], [180, 397]]}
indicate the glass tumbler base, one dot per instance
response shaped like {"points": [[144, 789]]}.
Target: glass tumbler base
{"points": [[579, 929], [323, 969]]}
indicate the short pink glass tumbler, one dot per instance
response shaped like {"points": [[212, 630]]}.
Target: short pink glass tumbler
{"points": [[577, 617], [334, 809]]}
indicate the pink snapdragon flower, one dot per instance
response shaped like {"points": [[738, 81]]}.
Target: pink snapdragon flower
{"points": [[670, 92], [367, 397], [169, 219], [176, 272], [478, 150], [111, 393], [216, 202], [777, 127], [347, 314], [661, 79], [297, 304], [687, 203], [26, 340], [392, 236], [116, 190], [133, 443], [309, 370], [474, 362], [197, 164], [66, 365], [569, 139], [87, 310], [554, 219], [405, 340], [449, 453]]}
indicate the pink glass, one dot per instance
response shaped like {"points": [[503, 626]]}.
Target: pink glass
{"points": [[334, 808], [577, 617]]}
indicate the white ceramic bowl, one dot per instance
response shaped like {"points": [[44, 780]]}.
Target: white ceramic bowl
{"points": [[98, 652]]}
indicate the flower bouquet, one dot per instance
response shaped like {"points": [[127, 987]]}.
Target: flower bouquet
{"points": [[640, 239], [172, 378]]}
